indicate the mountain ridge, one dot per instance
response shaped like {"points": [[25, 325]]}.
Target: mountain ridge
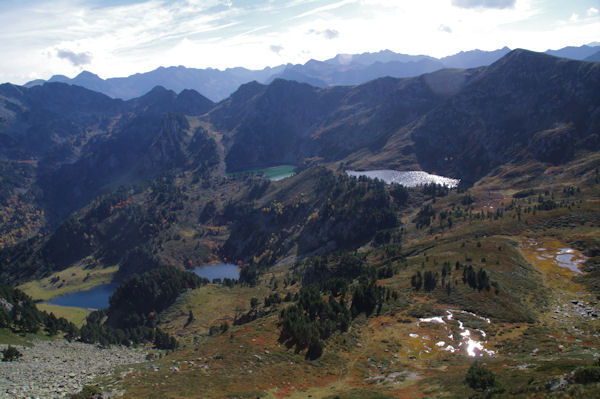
{"points": [[343, 69]]}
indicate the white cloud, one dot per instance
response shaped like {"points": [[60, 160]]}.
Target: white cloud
{"points": [[326, 33], [139, 37], [484, 3], [574, 17], [276, 48], [445, 28], [322, 9], [592, 11], [76, 59]]}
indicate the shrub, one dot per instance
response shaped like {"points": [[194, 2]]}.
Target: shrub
{"points": [[10, 354], [224, 327], [163, 340], [587, 375], [480, 378], [315, 349]]}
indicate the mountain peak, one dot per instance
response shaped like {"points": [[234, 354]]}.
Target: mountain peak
{"points": [[87, 75], [191, 102], [158, 95], [248, 90], [59, 78], [520, 55], [159, 90], [523, 60]]}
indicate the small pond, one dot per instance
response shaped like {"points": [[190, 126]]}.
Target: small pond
{"points": [[274, 173], [218, 270]]}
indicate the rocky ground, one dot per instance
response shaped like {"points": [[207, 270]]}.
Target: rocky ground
{"points": [[53, 369]]}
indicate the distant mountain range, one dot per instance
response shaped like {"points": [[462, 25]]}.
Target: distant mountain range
{"points": [[342, 70]]}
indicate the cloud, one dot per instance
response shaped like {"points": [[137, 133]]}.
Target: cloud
{"points": [[484, 3], [325, 8], [592, 11], [574, 17], [445, 28], [77, 59], [328, 34], [276, 48]]}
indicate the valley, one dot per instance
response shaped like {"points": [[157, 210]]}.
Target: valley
{"points": [[529, 333], [372, 241]]}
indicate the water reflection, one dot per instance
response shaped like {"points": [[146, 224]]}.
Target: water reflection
{"points": [[407, 179], [94, 298]]}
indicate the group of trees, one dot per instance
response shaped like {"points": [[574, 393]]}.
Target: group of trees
{"points": [[368, 297], [425, 216], [354, 210], [479, 280], [312, 319], [132, 316], [435, 190], [344, 265], [19, 313], [476, 279], [427, 280]]}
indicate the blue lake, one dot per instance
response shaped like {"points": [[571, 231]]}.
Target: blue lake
{"points": [[95, 298], [218, 270]]}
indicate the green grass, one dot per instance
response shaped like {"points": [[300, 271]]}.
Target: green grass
{"points": [[8, 337], [76, 316]]}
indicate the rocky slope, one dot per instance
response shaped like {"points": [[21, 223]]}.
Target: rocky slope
{"points": [[54, 369]]}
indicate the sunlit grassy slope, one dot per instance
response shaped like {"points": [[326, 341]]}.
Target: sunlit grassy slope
{"points": [[531, 322]]}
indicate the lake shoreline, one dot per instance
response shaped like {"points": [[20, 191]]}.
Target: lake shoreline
{"points": [[98, 296]]}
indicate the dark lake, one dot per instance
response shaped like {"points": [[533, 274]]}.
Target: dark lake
{"points": [[94, 298], [218, 270], [97, 297]]}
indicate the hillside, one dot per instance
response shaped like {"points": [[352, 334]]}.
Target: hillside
{"points": [[459, 123], [349, 287]]}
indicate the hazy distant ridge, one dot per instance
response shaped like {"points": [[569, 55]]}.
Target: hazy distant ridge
{"points": [[342, 70]]}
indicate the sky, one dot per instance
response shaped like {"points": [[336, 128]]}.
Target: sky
{"points": [[41, 38]]}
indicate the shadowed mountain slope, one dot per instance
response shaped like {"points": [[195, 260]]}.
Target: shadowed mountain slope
{"points": [[525, 106]]}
